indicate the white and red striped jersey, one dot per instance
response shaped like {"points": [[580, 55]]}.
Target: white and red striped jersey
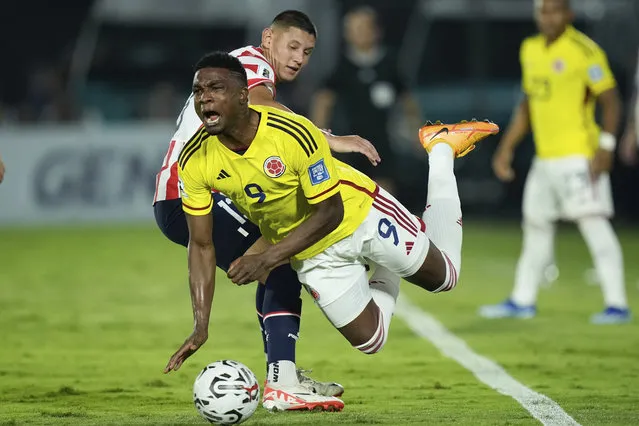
{"points": [[258, 71]]}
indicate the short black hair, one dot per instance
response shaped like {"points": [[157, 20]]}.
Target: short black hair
{"points": [[220, 59], [295, 19]]}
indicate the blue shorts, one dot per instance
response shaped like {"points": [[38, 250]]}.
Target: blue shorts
{"points": [[233, 234]]}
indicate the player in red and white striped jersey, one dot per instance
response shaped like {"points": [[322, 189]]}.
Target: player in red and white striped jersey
{"points": [[285, 49]]}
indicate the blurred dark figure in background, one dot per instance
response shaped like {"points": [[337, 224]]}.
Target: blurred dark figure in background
{"points": [[630, 138], [367, 85], [163, 103], [47, 99]]}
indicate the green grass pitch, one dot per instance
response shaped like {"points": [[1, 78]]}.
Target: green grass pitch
{"points": [[90, 316]]}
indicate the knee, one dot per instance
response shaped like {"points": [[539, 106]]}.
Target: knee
{"points": [[376, 340]]}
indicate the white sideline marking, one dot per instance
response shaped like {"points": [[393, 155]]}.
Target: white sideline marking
{"points": [[544, 409]]}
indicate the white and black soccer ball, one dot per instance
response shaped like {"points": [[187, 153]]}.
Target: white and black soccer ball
{"points": [[226, 392]]}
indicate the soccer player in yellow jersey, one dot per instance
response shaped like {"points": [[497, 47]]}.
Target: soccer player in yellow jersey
{"points": [[323, 215], [564, 73]]}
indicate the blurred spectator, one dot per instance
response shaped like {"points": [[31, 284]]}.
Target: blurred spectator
{"points": [[367, 85], [47, 99], [630, 139], [163, 103]]}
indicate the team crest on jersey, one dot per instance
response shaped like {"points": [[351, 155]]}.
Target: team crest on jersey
{"points": [[558, 65], [274, 167], [318, 172]]}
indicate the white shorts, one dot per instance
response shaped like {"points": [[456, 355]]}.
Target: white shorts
{"points": [[390, 236], [563, 189]]}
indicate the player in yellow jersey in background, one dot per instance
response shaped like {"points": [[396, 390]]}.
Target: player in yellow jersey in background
{"points": [[325, 216], [564, 74]]}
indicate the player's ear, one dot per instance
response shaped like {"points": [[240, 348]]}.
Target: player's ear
{"points": [[244, 96], [267, 37]]}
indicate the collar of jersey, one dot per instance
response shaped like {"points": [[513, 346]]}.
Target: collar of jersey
{"points": [[259, 129]]}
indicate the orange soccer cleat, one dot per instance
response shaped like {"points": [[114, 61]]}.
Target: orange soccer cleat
{"points": [[461, 137]]}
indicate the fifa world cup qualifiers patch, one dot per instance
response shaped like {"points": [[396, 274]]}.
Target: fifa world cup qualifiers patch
{"points": [[595, 73], [318, 173]]}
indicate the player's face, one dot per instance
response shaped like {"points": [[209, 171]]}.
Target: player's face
{"points": [[218, 97], [552, 16], [289, 50], [360, 31]]}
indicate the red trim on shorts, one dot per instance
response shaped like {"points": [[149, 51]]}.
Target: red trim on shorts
{"points": [[394, 216], [404, 218], [422, 224]]}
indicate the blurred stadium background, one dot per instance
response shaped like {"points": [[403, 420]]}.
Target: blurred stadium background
{"points": [[89, 94]]}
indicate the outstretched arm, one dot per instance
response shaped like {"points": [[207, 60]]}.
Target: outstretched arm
{"points": [[518, 128], [262, 95], [201, 260]]}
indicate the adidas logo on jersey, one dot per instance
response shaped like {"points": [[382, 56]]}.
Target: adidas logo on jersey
{"points": [[223, 175]]}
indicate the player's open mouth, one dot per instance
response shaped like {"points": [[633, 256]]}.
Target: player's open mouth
{"points": [[211, 117], [294, 69]]}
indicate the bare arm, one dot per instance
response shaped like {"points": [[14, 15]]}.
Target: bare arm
{"points": [[518, 127], [327, 216], [201, 260], [261, 95], [610, 103]]}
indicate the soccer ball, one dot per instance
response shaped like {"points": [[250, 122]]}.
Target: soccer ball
{"points": [[226, 392]]}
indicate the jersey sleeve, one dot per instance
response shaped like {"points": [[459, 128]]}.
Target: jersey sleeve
{"points": [[316, 166], [194, 191], [258, 71], [599, 77]]}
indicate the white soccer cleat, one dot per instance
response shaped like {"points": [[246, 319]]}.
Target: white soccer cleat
{"points": [[297, 397], [322, 388]]}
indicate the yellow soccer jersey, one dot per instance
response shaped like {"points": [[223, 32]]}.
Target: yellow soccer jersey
{"points": [[562, 82], [287, 168]]}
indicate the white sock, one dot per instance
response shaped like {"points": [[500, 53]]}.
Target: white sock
{"points": [[536, 254], [384, 287], [443, 215], [282, 373], [605, 250]]}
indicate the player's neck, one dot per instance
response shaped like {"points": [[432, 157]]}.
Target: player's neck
{"points": [[241, 134], [551, 39]]}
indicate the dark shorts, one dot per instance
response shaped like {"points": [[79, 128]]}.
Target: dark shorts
{"points": [[231, 237]]}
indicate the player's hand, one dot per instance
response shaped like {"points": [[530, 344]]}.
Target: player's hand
{"points": [[1, 170], [502, 165], [249, 268], [190, 346], [601, 162], [627, 148], [354, 143]]}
